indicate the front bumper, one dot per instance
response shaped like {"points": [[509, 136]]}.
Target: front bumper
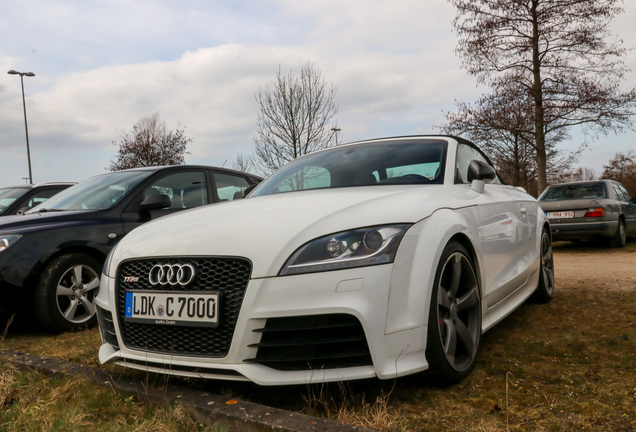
{"points": [[16, 280], [359, 295]]}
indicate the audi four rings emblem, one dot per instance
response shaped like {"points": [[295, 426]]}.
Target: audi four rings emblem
{"points": [[171, 274]]}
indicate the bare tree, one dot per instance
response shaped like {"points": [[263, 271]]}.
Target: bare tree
{"points": [[558, 51], [622, 168], [578, 174], [242, 162], [501, 123], [149, 144], [294, 118], [586, 173]]}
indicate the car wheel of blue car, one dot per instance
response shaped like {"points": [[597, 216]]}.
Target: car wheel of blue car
{"points": [[454, 325], [65, 294]]}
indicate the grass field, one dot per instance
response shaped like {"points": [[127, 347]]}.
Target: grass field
{"points": [[569, 365]]}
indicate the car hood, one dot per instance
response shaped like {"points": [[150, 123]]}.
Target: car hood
{"points": [[37, 221], [268, 229]]}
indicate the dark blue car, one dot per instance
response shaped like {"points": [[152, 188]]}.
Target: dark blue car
{"points": [[51, 256]]}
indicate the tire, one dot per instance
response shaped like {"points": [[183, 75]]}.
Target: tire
{"points": [[454, 320], [65, 293], [545, 288], [620, 237]]}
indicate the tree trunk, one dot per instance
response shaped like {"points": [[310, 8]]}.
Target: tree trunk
{"points": [[537, 90]]}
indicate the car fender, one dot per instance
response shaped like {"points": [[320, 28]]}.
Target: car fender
{"points": [[416, 263], [90, 239]]}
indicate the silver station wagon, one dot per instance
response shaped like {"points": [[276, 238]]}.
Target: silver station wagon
{"points": [[590, 209]]}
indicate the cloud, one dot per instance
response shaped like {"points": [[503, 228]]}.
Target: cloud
{"points": [[102, 66]]}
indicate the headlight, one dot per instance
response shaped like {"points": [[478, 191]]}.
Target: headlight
{"points": [[8, 240], [347, 249]]}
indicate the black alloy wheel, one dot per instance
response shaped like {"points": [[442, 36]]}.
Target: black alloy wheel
{"points": [[545, 287], [454, 324]]}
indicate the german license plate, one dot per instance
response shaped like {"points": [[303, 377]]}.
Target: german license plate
{"points": [[173, 308], [560, 215]]}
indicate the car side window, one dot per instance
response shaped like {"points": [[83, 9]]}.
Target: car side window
{"points": [[41, 196], [186, 189], [229, 187], [620, 188], [618, 192], [466, 154]]}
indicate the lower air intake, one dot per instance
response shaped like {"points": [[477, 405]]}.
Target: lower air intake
{"points": [[312, 342]]}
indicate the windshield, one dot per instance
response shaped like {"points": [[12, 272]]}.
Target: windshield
{"points": [[367, 164], [574, 191], [95, 193], [9, 195]]}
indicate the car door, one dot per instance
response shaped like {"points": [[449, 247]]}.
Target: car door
{"points": [[507, 232], [628, 207], [508, 239]]}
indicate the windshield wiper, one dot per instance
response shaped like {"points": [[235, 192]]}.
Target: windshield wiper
{"points": [[46, 210]]}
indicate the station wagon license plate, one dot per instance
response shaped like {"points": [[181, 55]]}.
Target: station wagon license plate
{"points": [[173, 308], [560, 215]]}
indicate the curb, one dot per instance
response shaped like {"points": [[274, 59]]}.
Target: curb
{"points": [[209, 409]]}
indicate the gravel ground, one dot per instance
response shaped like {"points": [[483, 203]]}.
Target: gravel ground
{"points": [[601, 267]]}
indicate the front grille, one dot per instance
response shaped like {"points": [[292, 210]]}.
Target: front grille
{"points": [[312, 342], [227, 276]]}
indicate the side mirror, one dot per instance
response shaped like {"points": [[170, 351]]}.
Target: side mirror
{"points": [[478, 173], [154, 202], [478, 170], [23, 210]]}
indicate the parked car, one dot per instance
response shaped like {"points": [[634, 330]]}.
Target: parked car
{"points": [[51, 257], [590, 209], [23, 197], [363, 260]]}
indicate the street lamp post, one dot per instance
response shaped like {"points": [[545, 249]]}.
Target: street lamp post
{"points": [[336, 130], [26, 128]]}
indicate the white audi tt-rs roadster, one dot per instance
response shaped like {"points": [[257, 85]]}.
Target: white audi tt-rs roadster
{"points": [[379, 259]]}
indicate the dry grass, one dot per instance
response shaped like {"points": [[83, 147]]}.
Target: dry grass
{"points": [[347, 406], [30, 401], [569, 365], [79, 347]]}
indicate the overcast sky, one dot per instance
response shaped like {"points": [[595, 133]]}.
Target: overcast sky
{"points": [[102, 65]]}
